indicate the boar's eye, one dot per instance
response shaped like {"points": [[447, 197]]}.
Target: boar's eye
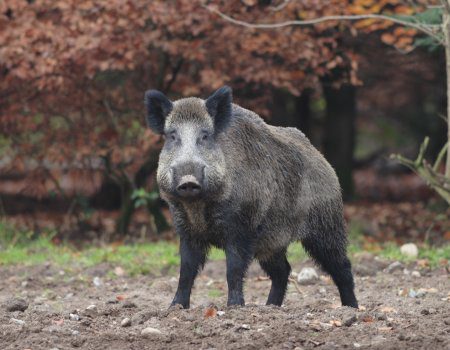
{"points": [[171, 136], [204, 136]]}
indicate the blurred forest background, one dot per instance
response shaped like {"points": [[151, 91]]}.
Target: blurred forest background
{"points": [[75, 155]]}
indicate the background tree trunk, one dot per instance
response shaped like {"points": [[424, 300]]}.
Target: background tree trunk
{"points": [[339, 132], [446, 28], [290, 110]]}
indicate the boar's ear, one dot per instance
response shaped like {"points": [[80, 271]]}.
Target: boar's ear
{"points": [[219, 107], [158, 107]]}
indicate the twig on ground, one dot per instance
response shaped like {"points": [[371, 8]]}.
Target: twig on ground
{"points": [[294, 282]]}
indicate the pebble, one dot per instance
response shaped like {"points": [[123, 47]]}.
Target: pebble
{"points": [[415, 274], [16, 321], [395, 266], [97, 281], [307, 275], [119, 271], [428, 311], [91, 310], [16, 304], [77, 342], [150, 332], [325, 325], [86, 322], [126, 322], [382, 317], [349, 321], [74, 317], [410, 250], [420, 293]]}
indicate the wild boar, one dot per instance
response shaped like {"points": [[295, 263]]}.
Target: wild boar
{"points": [[234, 182]]}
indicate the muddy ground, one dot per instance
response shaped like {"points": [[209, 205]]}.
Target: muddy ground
{"points": [[399, 310]]}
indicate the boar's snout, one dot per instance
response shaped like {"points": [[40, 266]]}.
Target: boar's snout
{"points": [[189, 186], [189, 179]]}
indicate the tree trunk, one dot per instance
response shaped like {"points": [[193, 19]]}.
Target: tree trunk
{"points": [[126, 208], [446, 28], [339, 132], [127, 205], [290, 110]]}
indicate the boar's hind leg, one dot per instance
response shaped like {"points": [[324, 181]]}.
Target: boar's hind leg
{"points": [[330, 253], [192, 260], [324, 238], [278, 269]]}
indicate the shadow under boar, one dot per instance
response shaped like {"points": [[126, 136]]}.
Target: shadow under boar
{"points": [[234, 182]]}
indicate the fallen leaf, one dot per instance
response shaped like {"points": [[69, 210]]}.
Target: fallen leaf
{"points": [[423, 263], [59, 322], [403, 292], [367, 319], [431, 290], [119, 271], [336, 323], [210, 312], [387, 309]]}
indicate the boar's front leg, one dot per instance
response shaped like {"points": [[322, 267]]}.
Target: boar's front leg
{"points": [[238, 255], [278, 269], [192, 260]]}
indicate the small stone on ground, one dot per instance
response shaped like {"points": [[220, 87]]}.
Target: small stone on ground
{"points": [[307, 275]]}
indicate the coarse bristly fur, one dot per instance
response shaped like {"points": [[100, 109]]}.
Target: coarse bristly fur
{"points": [[259, 188]]}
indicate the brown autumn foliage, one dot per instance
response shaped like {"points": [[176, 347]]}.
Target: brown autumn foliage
{"points": [[73, 72]]}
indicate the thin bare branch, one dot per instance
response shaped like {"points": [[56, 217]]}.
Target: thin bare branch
{"points": [[440, 157], [281, 6], [443, 117], [446, 5], [429, 29]]}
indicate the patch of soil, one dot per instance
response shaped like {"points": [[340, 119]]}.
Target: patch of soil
{"points": [[399, 311]]}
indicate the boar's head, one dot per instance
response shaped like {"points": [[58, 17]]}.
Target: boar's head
{"points": [[191, 164]]}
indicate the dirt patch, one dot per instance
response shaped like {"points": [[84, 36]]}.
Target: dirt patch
{"points": [[399, 311]]}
